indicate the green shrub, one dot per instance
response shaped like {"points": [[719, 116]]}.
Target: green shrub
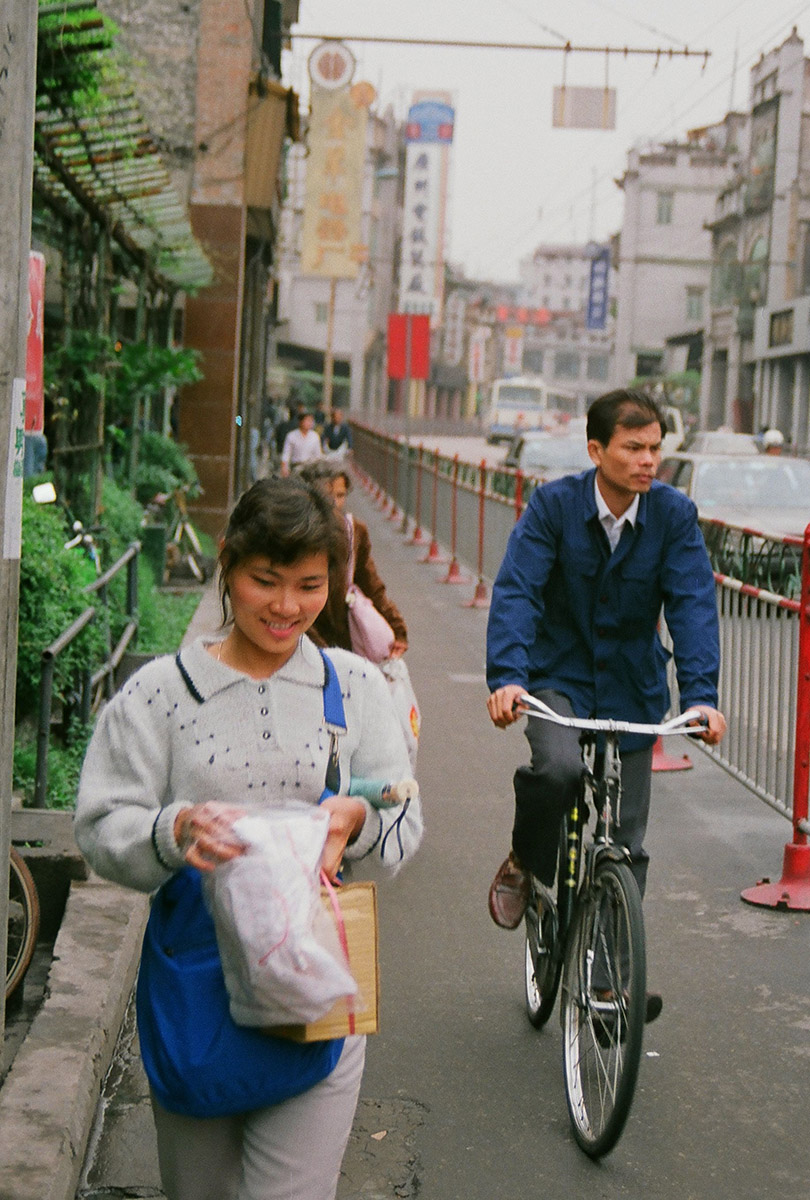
{"points": [[164, 466], [64, 766], [51, 582]]}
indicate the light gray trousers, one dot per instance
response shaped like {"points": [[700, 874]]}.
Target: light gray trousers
{"points": [[289, 1151]]}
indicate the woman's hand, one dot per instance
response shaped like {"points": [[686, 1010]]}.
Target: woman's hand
{"points": [[398, 649], [346, 817], [205, 834]]}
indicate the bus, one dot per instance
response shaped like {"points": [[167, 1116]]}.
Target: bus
{"points": [[525, 402]]}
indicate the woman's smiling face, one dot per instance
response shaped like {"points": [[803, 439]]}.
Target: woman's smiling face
{"points": [[274, 604]]}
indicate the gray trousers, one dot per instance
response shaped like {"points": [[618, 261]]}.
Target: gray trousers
{"points": [[289, 1151], [545, 790]]}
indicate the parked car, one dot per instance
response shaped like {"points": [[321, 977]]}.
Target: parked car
{"points": [[768, 494], [549, 455], [757, 500], [720, 441]]}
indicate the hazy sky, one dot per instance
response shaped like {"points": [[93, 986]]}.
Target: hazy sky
{"points": [[516, 181]]}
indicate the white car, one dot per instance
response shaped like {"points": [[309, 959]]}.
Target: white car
{"points": [[769, 494]]}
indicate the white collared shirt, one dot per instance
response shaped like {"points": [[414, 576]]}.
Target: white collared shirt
{"points": [[613, 526]]}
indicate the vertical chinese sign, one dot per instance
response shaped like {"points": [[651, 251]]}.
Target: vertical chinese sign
{"points": [[429, 134], [596, 314], [332, 237]]}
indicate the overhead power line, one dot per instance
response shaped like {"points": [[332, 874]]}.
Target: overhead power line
{"points": [[668, 52]]}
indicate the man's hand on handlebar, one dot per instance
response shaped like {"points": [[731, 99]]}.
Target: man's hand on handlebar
{"points": [[502, 704], [715, 724]]}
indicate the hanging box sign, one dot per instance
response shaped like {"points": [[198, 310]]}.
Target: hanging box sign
{"points": [[359, 1014]]}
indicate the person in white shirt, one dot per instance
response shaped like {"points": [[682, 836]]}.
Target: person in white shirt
{"points": [[301, 445]]}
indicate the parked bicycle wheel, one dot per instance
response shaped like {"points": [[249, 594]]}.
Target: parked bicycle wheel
{"points": [[23, 921], [603, 1003]]}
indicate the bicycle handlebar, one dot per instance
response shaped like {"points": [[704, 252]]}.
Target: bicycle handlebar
{"points": [[691, 721]]}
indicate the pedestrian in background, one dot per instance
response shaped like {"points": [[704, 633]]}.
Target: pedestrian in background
{"points": [[193, 742], [301, 445], [337, 436], [332, 624]]}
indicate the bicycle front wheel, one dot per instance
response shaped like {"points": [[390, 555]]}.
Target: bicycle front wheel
{"points": [[603, 1007], [23, 921]]}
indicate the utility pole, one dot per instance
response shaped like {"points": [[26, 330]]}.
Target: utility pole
{"points": [[18, 44]]}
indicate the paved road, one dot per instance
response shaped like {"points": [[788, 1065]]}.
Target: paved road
{"points": [[462, 1100]]}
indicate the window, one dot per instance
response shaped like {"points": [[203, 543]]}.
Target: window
{"points": [[321, 312], [663, 212], [566, 365], [597, 367], [694, 304]]}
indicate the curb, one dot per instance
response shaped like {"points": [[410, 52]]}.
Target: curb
{"points": [[48, 1100]]}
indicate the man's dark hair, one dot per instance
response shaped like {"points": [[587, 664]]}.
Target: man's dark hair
{"points": [[624, 407]]}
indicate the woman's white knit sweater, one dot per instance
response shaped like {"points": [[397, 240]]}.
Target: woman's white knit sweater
{"points": [[172, 738]]}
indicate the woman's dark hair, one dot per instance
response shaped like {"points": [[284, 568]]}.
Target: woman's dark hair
{"points": [[283, 519], [324, 472], [625, 407]]}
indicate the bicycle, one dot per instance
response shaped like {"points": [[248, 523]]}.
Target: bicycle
{"points": [[184, 545], [23, 921], [591, 937]]}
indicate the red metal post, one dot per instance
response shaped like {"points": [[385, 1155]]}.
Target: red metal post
{"points": [[434, 555], [518, 494], [793, 890], [453, 572], [480, 597], [394, 514], [417, 538]]}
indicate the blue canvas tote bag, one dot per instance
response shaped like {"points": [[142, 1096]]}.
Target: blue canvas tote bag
{"points": [[198, 1061]]}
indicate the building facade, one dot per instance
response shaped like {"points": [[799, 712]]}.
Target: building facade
{"points": [[757, 350], [663, 254]]}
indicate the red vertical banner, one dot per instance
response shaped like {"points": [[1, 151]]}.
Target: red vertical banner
{"points": [[408, 346], [34, 387]]}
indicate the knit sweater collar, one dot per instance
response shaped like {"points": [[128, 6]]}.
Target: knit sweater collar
{"points": [[207, 676]]}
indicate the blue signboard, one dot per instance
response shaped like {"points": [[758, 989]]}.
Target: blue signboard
{"points": [[596, 317], [430, 121]]}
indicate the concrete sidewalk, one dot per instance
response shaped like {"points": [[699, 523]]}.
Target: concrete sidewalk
{"points": [[72, 1127]]}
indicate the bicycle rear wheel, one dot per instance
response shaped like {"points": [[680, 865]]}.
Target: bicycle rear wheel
{"points": [[603, 1006], [23, 921]]}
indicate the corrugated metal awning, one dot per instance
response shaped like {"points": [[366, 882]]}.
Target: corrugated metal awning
{"points": [[94, 154]]}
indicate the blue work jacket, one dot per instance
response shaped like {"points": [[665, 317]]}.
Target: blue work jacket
{"points": [[568, 614]]}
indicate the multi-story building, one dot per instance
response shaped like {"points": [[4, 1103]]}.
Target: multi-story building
{"points": [[664, 251], [555, 278], [757, 353]]}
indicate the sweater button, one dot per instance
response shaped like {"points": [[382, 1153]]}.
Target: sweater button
{"points": [[261, 689], [263, 712], [266, 734]]}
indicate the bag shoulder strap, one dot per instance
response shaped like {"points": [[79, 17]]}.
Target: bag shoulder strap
{"points": [[335, 718], [333, 712]]}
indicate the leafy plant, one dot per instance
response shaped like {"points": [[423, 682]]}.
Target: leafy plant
{"points": [[51, 598], [164, 467], [142, 370]]}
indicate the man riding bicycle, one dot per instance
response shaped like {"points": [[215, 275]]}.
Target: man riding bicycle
{"points": [[573, 620]]}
